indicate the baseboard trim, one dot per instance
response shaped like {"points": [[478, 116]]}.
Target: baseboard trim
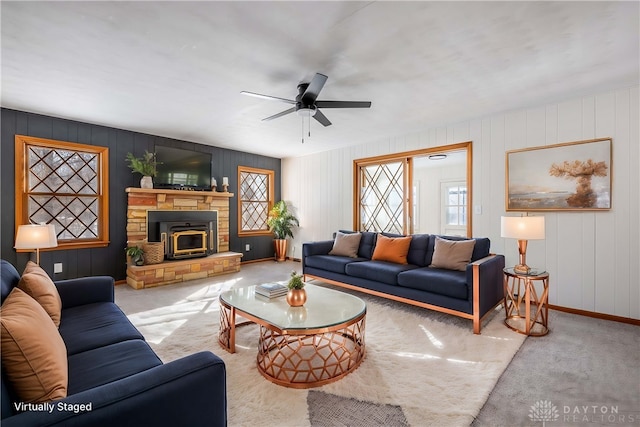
{"points": [[595, 315], [252, 261], [269, 259]]}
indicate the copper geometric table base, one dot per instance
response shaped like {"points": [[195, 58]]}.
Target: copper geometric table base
{"points": [[300, 358], [532, 319], [310, 359]]}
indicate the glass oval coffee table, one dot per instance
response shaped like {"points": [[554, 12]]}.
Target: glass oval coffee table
{"points": [[299, 347]]}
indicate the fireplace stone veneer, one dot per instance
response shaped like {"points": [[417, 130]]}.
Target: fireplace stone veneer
{"points": [[142, 200]]}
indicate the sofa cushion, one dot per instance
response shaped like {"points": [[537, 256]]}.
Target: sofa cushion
{"points": [[418, 249], [39, 286], [33, 353], [438, 281], [367, 243], [480, 250], [392, 249], [333, 263], [452, 255], [90, 326], [380, 271], [10, 278], [346, 244], [103, 365]]}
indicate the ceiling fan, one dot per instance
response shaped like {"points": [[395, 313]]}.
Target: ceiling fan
{"points": [[306, 103]]}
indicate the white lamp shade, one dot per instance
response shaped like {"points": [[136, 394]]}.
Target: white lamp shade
{"points": [[522, 227], [36, 236]]}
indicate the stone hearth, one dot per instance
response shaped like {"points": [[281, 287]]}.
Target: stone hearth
{"points": [[165, 273]]}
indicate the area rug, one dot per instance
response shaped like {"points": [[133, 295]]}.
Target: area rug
{"points": [[421, 368]]}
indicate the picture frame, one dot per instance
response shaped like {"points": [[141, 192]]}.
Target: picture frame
{"points": [[571, 176]]}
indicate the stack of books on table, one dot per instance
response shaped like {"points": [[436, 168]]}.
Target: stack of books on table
{"points": [[271, 290]]}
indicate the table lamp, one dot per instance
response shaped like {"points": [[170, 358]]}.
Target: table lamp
{"points": [[36, 236], [523, 228]]}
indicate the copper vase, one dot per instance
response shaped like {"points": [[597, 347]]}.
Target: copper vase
{"points": [[281, 249], [296, 297]]}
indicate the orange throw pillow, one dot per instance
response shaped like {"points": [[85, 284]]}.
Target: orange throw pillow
{"points": [[34, 356], [392, 249], [37, 283]]}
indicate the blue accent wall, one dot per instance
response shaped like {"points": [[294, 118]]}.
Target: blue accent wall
{"points": [[111, 260]]}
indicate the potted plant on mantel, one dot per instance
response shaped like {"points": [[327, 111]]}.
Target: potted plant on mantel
{"points": [[145, 165], [280, 223]]}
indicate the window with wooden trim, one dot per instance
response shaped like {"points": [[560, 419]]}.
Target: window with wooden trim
{"points": [[382, 196], [400, 193], [255, 199], [64, 184]]}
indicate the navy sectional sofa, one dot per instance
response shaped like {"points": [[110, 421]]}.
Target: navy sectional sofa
{"points": [[470, 294], [112, 368]]}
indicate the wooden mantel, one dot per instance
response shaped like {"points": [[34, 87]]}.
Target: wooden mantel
{"points": [[143, 200], [161, 194]]}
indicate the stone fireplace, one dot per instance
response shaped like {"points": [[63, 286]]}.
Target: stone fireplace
{"points": [[194, 229]]}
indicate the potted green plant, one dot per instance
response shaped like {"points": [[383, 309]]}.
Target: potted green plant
{"points": [[280, 223], [296, 296], [145, 165], [136, 253]]}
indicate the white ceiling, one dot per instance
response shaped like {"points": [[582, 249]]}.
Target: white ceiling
{"points": [[176, 69]]}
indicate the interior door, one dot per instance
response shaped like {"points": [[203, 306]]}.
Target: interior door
{"points": [[453, 217]]}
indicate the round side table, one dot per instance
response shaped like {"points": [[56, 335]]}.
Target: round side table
{"points": [[528, 320]]}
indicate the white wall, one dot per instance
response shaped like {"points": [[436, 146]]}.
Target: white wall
{"points": [[593, 257]]}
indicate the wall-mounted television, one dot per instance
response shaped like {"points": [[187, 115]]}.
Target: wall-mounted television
{"points": [[182, 169]]}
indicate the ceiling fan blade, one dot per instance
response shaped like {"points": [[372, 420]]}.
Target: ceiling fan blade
{"points": [[343, 104], [270, 98], [314, 88], [321, 118], [283, 113]]}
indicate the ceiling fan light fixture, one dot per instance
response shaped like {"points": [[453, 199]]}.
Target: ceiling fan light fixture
{"points": [[307, 104], [306, 111]]}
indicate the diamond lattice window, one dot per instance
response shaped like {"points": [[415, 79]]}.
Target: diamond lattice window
{"points": [[255, 199], [400, 193], [382, 196], [62, 184]]}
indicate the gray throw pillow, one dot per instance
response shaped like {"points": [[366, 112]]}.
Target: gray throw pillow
{"points": [[452, 254], [346, 244]]}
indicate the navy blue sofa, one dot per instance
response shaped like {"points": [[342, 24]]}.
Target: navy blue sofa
{"points": [[470, 294], [112, 367]]}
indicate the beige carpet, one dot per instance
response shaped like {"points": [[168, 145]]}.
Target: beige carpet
{"points": [[429, 364]]}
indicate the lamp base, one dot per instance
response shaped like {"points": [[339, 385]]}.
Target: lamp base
{"points": [[521, 269]]}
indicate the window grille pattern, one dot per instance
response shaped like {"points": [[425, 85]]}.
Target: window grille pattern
{"points": [[456, 205], [381, 197], [64, 184], [255, 199], [406, 193], [63, 190]]}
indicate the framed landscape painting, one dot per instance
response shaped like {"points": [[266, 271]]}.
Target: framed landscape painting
{"points": [[573, 176]]}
